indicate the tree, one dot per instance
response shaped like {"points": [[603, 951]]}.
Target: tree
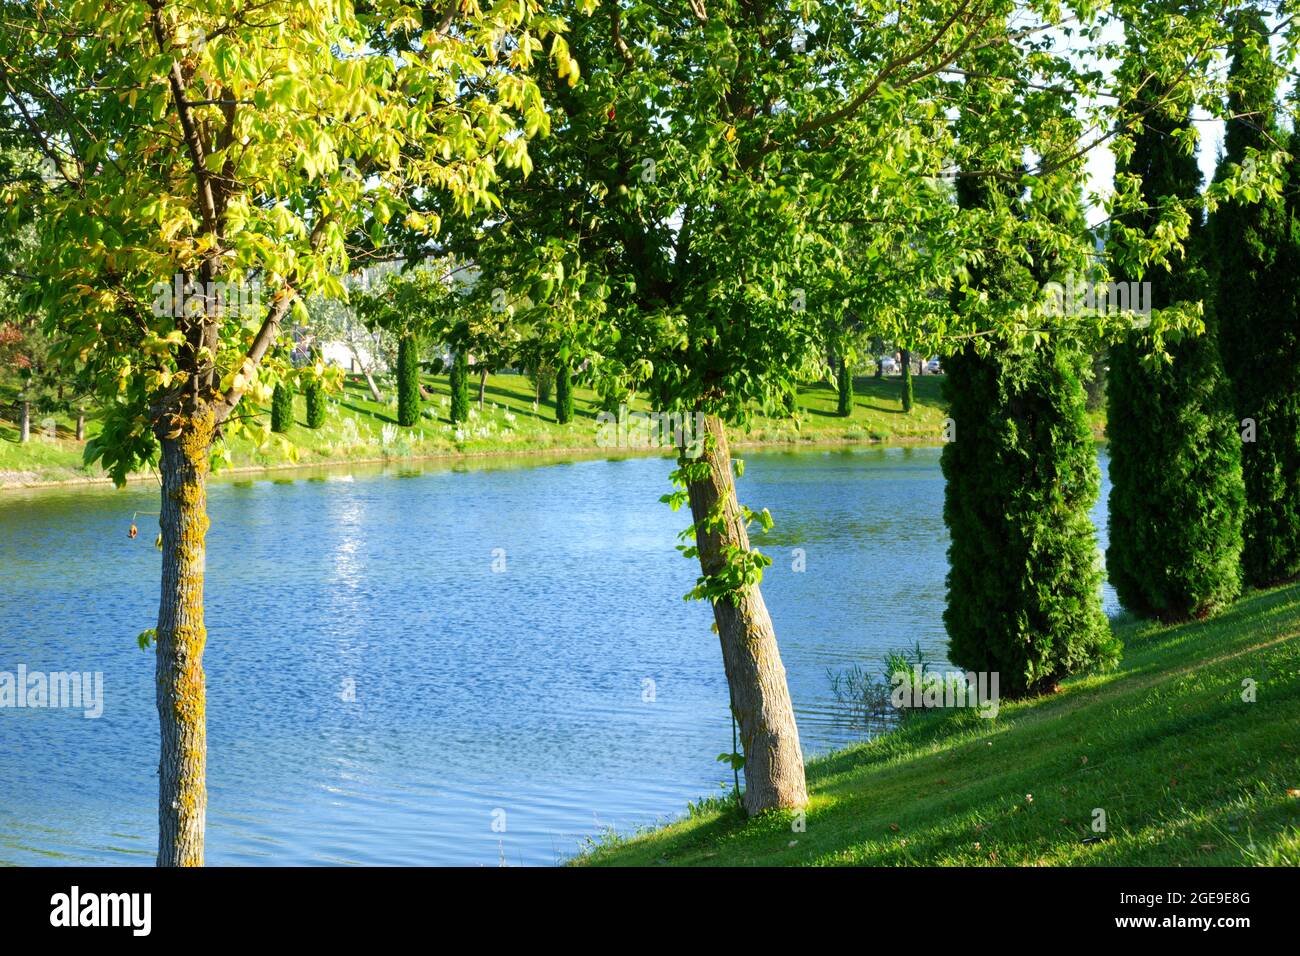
{"points": [[314, 392], [199, 158], [1024, 587], [281, 407], [712, 165], [563, 394], [1176, 493], [906, 382], [844, 384], [412, 306], [459, 387], [334, 319], [408, 381], [1255, 256], [1023, 584]]}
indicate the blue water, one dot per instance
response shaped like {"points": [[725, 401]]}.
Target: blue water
{"points": [[435, 664]]}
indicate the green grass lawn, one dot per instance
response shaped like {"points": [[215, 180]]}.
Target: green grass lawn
{"points": [[1186, 772], [507, 424]]}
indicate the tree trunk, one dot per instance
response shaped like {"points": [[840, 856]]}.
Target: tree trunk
{"points": [[365, 370], [25, 421], [774, 773], [181, 694], [482, 386], [81, 428]]}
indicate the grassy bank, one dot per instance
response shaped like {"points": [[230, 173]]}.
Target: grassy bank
{"points": [[360, 429], [1185, 770]]}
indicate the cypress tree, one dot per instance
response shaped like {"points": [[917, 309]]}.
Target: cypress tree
{"points": [[844, 381], [460, 387], [282, 407], [564, 394], [408, 381], [1258, 268], [1176, 493], [315, 397], [1024, 585], [906, 356]]}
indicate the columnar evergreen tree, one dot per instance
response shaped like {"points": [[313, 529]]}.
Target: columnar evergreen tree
{"points": [[1255, 236], [564, 394], [1024, 586], [459, 387], [314, 392], [906, 386], [844, 381], [412, 306], [408, 381], [1176, 492], [282, 407]]}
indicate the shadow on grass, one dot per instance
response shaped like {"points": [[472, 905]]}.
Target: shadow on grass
{"points": [[1178, 760]]}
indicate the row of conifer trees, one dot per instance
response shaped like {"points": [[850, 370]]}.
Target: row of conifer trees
{"points": [[1204, 448]]}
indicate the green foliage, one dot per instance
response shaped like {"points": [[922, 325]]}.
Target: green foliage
{"points": [[257, 147], [906, 396], [459, 387], [1024, 586], [564, 394], [715, 190], [1176, 494], [282, 407], [314, 393], [844, 385], [408, 381], [1256, 252]]}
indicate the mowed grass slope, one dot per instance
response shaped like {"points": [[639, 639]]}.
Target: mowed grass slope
{"points": [[1186, 772], [358, 428]]}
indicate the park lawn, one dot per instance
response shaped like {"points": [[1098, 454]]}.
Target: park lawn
{"points": [[360, 429], [1185, 770]]}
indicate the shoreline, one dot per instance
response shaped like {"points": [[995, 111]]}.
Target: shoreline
{"points": [[584, 451]]}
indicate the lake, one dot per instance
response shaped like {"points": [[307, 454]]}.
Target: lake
{"points": [[477, 663]]}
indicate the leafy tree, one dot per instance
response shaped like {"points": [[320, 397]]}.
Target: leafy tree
{"points": [[413, 307], [1176, 493], [542, 374], [332, 319], [242, 154], [1256, 255], [714, 164]]}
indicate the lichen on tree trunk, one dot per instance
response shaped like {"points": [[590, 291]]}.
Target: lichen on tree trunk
{"points": [[181, 634], [774, 771]]}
